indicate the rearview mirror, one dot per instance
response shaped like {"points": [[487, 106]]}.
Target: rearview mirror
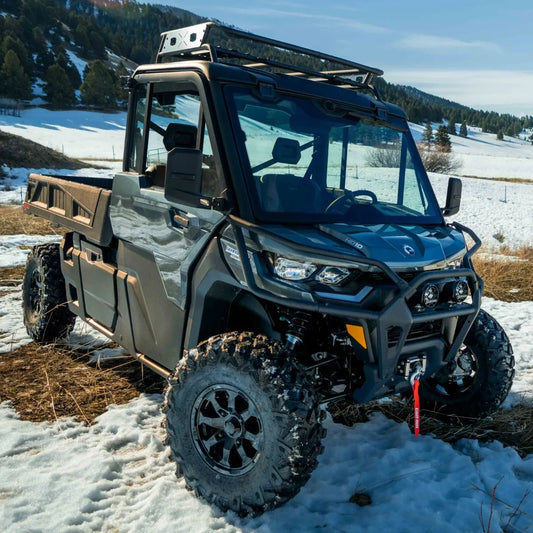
{"points": [[453, 197]]}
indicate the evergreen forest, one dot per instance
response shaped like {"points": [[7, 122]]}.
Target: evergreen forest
{"points": [[40, 41]]}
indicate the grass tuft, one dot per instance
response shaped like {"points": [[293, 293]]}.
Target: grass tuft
{"points": [[507, 278], [512, 427]]}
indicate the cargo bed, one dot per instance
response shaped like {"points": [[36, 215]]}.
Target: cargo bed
{"points": [[81, 205]]}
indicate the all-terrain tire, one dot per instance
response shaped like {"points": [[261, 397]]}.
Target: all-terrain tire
{"points": [[243, 423], [481, 393], [44, 302]]}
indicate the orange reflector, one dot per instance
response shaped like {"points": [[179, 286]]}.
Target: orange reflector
{"points": [[358, 333]]}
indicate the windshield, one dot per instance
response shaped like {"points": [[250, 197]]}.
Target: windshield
{"points": [[310, 162]]}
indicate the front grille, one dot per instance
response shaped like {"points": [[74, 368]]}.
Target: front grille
{"points": [[417, 332]]}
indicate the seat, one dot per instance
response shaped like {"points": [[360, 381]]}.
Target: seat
{"points": [[178, 134], [288, 193]]}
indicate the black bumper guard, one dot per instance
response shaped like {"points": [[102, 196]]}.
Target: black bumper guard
{"points": [[396, 313]]}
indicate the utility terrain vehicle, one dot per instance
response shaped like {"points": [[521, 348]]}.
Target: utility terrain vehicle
{"points": [[272, 244]]}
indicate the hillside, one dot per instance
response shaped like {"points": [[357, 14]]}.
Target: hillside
{"points": [[17, 151], [62, 56]]}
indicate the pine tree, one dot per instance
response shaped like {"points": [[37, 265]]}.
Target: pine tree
{"points": [[99, 88], [427, 135], [451, 124], [463, 132], [499, 135], [66, 64], [442, 139], [14, 83], [58, 89], [17, 46]]}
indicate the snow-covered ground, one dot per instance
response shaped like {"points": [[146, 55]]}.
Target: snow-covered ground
{"points": [[79, 134], [482, 155], [116, 475]]}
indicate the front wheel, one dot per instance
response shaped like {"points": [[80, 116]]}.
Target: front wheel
{"points": [[479, 378], [243, 423]]}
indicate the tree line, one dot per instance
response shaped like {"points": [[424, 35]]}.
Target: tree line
{"points": [[38, 40], [41, 39]]}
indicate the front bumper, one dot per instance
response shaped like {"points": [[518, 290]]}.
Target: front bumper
{"points": [[393, 333]]}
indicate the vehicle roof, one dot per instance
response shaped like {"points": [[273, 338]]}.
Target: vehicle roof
{"points": [[361, 101]]}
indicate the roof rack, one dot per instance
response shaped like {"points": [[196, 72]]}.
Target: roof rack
{"points": [[217, 43]]}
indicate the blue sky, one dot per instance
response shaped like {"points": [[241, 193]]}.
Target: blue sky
{"points": [[478, 53]]}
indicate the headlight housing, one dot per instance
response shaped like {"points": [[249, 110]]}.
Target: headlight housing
{"points": [[293, 270], [430, 295]]}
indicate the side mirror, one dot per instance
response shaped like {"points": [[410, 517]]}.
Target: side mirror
{"points": [[183, 181], [453, 197]]}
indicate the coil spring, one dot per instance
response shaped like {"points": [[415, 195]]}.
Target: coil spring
{"points": [[299, 325]]}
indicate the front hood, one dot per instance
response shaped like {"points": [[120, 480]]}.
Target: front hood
{"points": [[400, 247]]}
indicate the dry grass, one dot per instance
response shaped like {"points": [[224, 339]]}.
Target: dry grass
{"points": [[48, 382], [509, 281], [512, 427], [10, 279], [506, 180], [14, 221]]}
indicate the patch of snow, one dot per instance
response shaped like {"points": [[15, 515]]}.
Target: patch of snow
{"points": [[79, 63], [15, 248]]}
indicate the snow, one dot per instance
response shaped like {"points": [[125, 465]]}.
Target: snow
{"points": [[76, 133], [79, 63], [482, 155], [116, 475]]}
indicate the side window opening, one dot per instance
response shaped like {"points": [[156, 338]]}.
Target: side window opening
{"points": [[176, 120]]}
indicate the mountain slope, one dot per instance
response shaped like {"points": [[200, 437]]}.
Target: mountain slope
{"points": [[41, 32]]}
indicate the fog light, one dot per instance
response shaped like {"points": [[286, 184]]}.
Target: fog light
{"points": [[430, 295], [460, 290], [293, 270]]}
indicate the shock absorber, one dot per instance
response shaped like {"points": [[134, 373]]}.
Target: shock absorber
{"points": [[299, 324]]}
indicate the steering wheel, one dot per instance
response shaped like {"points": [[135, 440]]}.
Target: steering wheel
{"points": [[350, 195]]}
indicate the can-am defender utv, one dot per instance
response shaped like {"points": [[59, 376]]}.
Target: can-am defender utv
{"points": [[272, 244]]}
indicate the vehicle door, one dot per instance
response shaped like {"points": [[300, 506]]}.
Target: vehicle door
{"points": [[160, 238]]}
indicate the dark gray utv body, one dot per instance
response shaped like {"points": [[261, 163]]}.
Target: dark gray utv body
{"points": [[289, 201]]}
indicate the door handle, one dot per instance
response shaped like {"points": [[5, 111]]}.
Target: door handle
{"points": [[188, 222]]}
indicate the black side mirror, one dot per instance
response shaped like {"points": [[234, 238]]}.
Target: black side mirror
{"points": [[453, 197], [183, 180]]}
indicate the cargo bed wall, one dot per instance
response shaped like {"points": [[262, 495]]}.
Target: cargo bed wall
{"points": [[79, 207]]}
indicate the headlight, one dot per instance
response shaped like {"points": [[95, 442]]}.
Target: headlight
{"points": [[333, 275], [293, 270]]}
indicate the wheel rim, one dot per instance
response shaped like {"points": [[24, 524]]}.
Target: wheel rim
{"points": [[34, 292], [227, 429]]}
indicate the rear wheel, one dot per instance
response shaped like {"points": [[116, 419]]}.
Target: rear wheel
{"points": [[44, 302], [478, 380], [243, 423]]}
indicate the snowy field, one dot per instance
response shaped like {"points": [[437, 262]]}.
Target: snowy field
{"points": [[116, 475]]}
